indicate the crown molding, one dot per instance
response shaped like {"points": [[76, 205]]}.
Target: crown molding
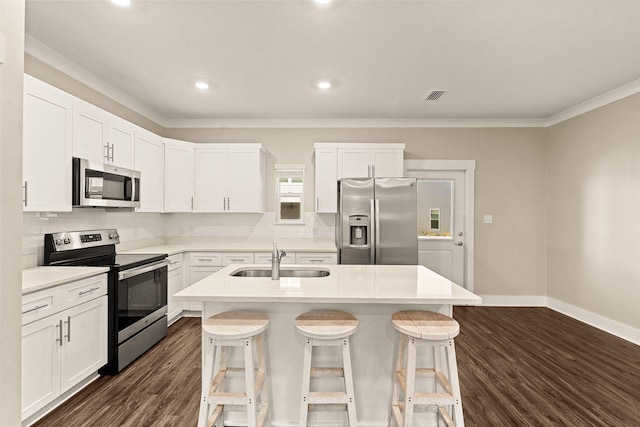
{"points": [[52, 58], [355, 123], [599, 101]]}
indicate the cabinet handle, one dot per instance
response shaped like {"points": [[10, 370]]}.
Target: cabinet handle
{"points": [[68, 336], [191, 202], [204, 259], [373, 171], [25, 186], [59, 325], [88, 291], [113, 152], [228, 204], [315, 260], [106, 156], [37, 307], [237, 259]]}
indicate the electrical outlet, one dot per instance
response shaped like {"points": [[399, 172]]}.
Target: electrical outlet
{"points": [[488, 219]]}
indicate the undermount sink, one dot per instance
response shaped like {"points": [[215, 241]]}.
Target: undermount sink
{"points": [[284, 272]]}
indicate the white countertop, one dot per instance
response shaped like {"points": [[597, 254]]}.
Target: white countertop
{"points": [[244, 244], [39, 278], [369, 284]]}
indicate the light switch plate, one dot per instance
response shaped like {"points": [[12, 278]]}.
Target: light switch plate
{"points": [[488, 219]]}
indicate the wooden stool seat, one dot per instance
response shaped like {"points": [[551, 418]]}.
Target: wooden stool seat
{"points": [[326, 324], [327, 328], [435, 331], [235, 325], [425, 325], [221, 333]]}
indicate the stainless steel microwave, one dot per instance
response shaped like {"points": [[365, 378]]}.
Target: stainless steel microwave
{"points": [[103, 185]]}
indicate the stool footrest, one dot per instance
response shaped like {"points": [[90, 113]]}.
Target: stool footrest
{"points": [[214, 416], [327, 372], [327, 398], [401, 376]]}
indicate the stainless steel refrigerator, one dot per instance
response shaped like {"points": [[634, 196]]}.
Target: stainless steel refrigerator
{"points": [[377, 221]]}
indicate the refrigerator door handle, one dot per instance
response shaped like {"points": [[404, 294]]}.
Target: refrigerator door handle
{"points": [[377, 227], [374, 232]]}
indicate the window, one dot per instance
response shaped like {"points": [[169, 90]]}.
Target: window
{"points": [[289, 194], [435, 208], [434, 219]]}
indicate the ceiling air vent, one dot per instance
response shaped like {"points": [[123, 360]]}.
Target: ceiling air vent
{"points": [[434, 95]]}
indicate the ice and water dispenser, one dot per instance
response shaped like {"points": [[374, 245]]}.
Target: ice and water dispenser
{"points": [[358, 225]]}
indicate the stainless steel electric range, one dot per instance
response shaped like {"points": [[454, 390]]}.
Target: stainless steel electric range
{"points": [[137, 289]]}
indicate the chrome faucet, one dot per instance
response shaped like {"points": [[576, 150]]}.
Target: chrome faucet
{"points": [[276, 256]]}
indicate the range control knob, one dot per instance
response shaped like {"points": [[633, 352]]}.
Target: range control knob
{"points": [[67, 240], [113, 236], [58, 242]]}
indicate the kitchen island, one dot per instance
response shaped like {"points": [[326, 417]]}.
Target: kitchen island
{"points": [[372, 293]]}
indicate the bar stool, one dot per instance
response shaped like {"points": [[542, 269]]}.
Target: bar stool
{"points": [[437, 332], [222, 332], [327, 328]]}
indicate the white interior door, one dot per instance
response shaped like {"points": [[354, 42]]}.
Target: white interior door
{"points": [[441, 223]]}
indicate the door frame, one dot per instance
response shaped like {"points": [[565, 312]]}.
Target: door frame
{"points": [[469, 168]]}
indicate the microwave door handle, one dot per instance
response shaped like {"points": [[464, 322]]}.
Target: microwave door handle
{"points": [[141, 270]]}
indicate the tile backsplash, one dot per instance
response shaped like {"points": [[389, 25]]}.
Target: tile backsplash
{"points": [[137, 228]]}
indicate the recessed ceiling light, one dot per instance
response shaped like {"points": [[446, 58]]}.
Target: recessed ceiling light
{"points": [[324, 84], [201, 85], [322, 1], [122, 3]]}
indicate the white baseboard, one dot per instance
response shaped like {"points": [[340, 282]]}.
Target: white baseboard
{"points": [[514, 300], [613, 327], [603, 323]]}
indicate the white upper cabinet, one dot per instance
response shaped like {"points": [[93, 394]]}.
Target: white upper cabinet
{"points": [[149, 160], [47, 146], [178, 176], [211, 168], [368, 162], [326, 180], [101, 137], [335, 161], [229, 178]]}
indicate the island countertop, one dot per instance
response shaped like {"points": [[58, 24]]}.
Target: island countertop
{"points": [[370, 284]]}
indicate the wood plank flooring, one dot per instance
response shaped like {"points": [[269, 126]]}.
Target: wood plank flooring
{"points": [[518, 367]]}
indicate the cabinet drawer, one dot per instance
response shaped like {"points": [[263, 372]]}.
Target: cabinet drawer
{"points": [[317, 258], [39, 305], [265, 258], [237, 258], [83, 290], [205, 259], [175, 261]]}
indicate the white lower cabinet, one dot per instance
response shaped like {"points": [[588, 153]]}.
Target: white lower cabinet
{"points": [[65, 348], [196, 274], [265, 258], [175, 283]]}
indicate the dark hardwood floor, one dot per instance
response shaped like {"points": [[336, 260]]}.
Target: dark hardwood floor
{"points": [[518, 367]]}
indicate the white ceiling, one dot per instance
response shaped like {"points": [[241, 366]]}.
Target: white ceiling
{"points": [[498, 60]]}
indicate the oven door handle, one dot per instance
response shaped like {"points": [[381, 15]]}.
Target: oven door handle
{"points": [[141, 270]]}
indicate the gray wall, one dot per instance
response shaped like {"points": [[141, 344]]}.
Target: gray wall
{"points": [[594, 211], [11, 78]]}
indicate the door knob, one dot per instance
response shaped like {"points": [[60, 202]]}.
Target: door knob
{"points": [[459, 243]]}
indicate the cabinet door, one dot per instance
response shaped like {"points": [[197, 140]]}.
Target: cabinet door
{"points": [[211, 171], [175, 283], [120, 143], [41, 344], [90, 130], [149, 160], [178, 177], [326, 180], [245, 189], [354, 163], [47, 145], [387, 163], [84, 332]]}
